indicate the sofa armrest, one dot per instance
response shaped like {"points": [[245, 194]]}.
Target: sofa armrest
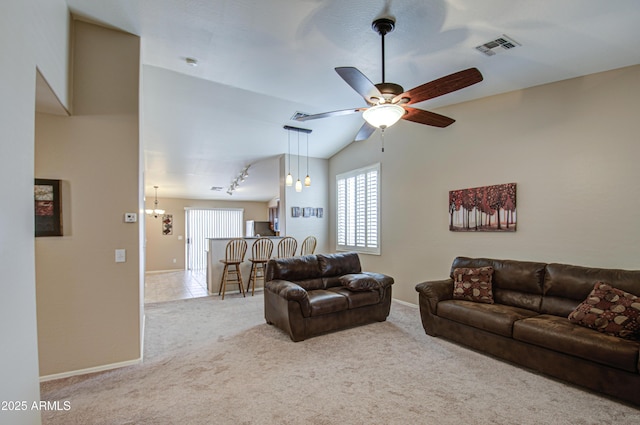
{"points": [[435, 291], [384, 280], [430, 294], [291, 292]]}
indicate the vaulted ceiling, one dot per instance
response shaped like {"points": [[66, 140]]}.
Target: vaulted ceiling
{"points": [[259, 62]]}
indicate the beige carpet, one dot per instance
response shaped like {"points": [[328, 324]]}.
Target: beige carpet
{"points": [[209, 361]]}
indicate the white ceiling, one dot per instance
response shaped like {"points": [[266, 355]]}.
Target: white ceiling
{"points": [[259, 61]]}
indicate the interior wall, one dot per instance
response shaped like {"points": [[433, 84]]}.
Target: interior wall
{"points": [[22, 43], [314, 196], [571, 147], [162, 250], [87, 304]]}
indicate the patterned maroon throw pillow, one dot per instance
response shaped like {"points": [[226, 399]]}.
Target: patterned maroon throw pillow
{"points": [[473, 284], [610, 311]]}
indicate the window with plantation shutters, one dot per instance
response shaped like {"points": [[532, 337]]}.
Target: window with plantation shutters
{"points": [[358, 206]]}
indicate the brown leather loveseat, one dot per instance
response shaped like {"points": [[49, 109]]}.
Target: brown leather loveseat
{"points": [[528, 324], [312, 294]]}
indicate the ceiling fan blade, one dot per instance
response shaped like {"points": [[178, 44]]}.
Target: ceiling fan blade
{"points": [[365, 132], [444, 85], [329, 114], [426, 117], [359, 82]]}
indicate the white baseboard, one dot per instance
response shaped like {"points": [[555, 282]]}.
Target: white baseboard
{"points": [[163, 271], [90, 370], [405, 303]]}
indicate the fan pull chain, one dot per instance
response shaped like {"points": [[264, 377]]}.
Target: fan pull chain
{"points": [[382, 138]]}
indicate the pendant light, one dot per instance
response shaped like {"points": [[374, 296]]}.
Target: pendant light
{"points": [[307, 180], [155, 212], [298, 183], [289, 179]]}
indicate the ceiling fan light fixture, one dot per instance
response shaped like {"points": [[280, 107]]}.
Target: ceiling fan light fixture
{"points": [[384, 115]]}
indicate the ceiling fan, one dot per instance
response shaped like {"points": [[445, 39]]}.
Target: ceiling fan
{"points": [[388, 101]]}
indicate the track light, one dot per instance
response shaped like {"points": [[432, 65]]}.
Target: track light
{"points": [[239, 179]]}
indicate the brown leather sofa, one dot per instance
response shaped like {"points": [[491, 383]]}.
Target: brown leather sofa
{"points": [[313, 294], [528, 324]]}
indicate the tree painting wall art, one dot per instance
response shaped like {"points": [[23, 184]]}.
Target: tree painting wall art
{"points": [[48, 210], [483, 209]]}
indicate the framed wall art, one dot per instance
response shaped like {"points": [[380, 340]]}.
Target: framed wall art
{"points": [[47, 207], [167, 224], [483, 209]]}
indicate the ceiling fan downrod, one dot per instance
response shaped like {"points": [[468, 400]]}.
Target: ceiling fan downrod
{"points": [[383, 26]]}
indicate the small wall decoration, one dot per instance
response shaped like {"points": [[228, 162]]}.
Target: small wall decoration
{"points": [[319, 212], [167, 224], [48, 207], [295, 212], [483, 209], [308, 212]]}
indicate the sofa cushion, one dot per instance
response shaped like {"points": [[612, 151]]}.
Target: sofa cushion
{"points": [[514, 283], [359, 282], [609, 310], [559, 334], [496, 318], [303, 270], [566, 286], [473, 284], [358, 298], [339, 264], [324, 302]]}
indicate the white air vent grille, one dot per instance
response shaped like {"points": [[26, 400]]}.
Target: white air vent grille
{"points": [[299, 114], [500, 44]]}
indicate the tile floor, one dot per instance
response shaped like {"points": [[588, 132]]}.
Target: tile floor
{"points": [[174, 285]]}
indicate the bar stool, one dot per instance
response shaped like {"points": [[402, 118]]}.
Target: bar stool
{"points": [[287, 247], [260, 255], [233, 257], [308, 245]]}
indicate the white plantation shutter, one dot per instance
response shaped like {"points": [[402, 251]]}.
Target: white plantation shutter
{"points": [[358, 205]]}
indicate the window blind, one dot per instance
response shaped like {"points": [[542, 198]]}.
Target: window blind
{"points": [[357, 215], [209, 223]]}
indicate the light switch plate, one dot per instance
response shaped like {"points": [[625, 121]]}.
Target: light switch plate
{"points": [[121, 255], [130, 217]]}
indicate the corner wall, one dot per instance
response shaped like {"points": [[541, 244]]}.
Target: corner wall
{"points": [[572, 149], [88, 305], [33, 34]]}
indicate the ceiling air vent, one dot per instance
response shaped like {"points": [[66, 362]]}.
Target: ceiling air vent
{"points": [[500, 44], [217, 188], [299, 114]]}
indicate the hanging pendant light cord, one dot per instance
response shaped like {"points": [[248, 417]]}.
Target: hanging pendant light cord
{"points": [[298, 155], [307, 154], [289, 148]]}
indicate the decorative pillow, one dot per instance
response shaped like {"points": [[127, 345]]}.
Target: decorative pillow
{"points": [[359, 282], [473, 284], [609, 310]]}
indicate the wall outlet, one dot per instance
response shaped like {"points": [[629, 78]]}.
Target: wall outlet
{"points": [[130, 217]]}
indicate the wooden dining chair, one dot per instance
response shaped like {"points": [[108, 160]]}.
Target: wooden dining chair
{"points": [[308, 245], [260, 255], [234, 256], [287, 247]]}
